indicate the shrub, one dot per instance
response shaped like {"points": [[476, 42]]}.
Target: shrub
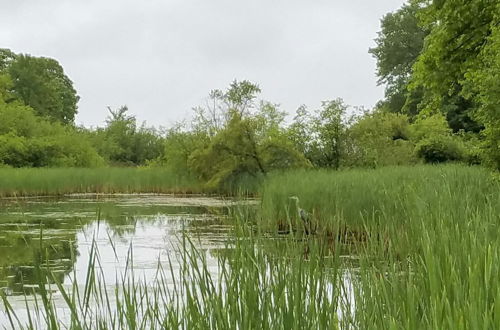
{"points": [[380, 139], [440, 149]]}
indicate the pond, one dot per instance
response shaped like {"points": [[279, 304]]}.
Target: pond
{"points": [[61, 233], [140, 231]]}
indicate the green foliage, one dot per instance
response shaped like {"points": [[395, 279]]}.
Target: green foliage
{"points": [[330, 126], [41, 84], [439, 149], [426, 126], [239, 138], [27, 140], [399, 43], [239, 150], [36, 99], [435, 142], [453, 72], [377, 138], [323, 135], [13, 150], [380, 139], [6, 58], [122, 142], [459, 31], [179, 144], [484, 87]]}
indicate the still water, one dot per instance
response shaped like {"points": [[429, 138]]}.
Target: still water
{"points": [[61, 232]]}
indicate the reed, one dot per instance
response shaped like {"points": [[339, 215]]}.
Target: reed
{"points": [[60, 181], [429, 259], [253, 288], [374, 199], [429, 253]]}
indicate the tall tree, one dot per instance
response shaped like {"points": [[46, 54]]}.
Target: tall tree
{"points": [[6, 57], [331, 128], [221, 106], [483, 86], [322, 136], [459, 31], [41, 84], [399, 43], [124, 142], [243, 137]]}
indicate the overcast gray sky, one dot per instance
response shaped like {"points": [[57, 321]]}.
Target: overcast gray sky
{"points": [[162, 57]]}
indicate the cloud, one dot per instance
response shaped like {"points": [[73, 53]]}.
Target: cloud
{"points": [[163, 57]]}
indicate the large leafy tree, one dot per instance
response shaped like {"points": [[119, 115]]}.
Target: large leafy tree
{"points": [[483, 86], [242, 137], [6, 57], [239, 99], [40, 83], [399, 43], [322, 136], [124, 142], [459, 31]]}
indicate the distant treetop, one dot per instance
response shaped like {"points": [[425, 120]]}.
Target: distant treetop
{"points": [[40, 83]]}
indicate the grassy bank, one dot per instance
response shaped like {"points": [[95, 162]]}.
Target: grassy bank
{"points": [[59, 181]]}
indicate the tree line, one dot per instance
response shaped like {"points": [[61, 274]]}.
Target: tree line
{"points": [[439, 61]]}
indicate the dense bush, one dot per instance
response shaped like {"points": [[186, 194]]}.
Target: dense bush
{"points": [[27, 140], [122, 142], [380, 139], [439, 149]]}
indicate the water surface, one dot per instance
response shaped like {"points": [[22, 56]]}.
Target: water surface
{"points": [[60, 232]]}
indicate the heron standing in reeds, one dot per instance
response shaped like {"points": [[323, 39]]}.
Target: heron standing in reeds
{"points": [[302, 214]]}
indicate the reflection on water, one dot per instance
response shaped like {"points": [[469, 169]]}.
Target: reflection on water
{"points": [[59, 233]]}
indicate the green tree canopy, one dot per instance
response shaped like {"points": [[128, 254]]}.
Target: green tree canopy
{"points": [[399, 43], [459, 31], [483, 86], [322, 136], [241, 137], [40, 83], [123, 142]]}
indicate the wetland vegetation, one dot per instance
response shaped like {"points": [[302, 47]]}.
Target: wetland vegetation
{"points": [[62, 181], [339, 217], [417, 248]]}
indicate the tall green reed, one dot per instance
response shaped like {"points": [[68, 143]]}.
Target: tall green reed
{"points": [[60, 181], [429, 246], [253, 287]]}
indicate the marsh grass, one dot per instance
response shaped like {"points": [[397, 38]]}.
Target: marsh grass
{"points": [[59, 181], [251, 289], [387, 198], [429, 259]]}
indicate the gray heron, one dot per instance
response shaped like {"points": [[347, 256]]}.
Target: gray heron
{"points": [[303, 214]]}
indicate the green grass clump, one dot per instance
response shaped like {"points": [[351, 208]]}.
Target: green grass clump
{"points": [[388, 197], [429, 256], [60, 181]]}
